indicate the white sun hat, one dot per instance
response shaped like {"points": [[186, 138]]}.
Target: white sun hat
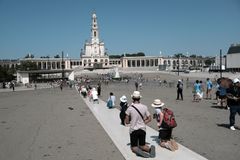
{"points": [[157, 103], [123, 98], [236, 80], [136, 94]]}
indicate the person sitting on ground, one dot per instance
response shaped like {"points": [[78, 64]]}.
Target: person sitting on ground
{"points": [[140, 116], [124, 106], [165, 134], [111, 100]]}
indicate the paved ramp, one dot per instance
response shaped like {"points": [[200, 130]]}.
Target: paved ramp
{"points": [[109, 119]]}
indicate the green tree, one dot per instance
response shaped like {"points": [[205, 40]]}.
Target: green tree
{"points": [[27, 66], [57, 56], [179, 55], [6, 74], [193, 56], [209, 61], [29, 56]]}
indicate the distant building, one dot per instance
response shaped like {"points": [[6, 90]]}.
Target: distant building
{"points": [[233, 58]]}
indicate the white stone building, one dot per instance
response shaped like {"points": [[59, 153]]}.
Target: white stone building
{"points": [[94, 55], [233, 58]]}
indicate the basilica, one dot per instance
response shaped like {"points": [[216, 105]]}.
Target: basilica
{"points": [[93, 55]]}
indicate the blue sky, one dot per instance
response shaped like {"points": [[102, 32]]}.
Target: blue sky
{"points": [[47, 27]]}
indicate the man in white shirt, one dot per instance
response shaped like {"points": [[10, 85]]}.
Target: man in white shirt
{"points": [[140, 116]]}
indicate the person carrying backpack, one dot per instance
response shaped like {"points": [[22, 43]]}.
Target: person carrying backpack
{"points": [[124, 106], [165, 122]]}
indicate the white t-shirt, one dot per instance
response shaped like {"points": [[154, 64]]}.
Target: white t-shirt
{"points": [[113, 98], [136, 120], [94, 95]]}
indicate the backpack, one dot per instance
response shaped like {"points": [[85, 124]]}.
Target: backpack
{"points": [[168, 119], [109, 103]]}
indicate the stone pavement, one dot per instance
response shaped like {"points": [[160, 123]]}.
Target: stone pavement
{"points": [[48, 124]]}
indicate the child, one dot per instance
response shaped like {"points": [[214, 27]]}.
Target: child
{"points": [[165, 134]]}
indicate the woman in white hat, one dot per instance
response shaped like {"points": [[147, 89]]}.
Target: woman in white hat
{"points": [[165, 134], [124, 106]]}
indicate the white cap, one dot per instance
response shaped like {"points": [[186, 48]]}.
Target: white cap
{"points": [[123, 98], [136, 94]]}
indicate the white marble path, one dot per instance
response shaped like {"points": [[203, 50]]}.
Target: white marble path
{"points": [[109, 120]]}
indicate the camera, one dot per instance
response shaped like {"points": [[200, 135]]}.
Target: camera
{"points": [[155, 116]]}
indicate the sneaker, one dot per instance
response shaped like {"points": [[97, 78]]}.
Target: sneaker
{"points": [[152, 151], [232, 128], [174, 144], [141, 153]]}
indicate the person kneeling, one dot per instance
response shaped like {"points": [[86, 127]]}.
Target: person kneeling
{"points": [[165, 130], [140, 116]]}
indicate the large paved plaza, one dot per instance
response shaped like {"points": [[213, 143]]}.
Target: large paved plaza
{"points": [[40, 125]]}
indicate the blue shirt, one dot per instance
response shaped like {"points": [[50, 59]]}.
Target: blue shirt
{"points": [[209, 84], [222, 91], [197, 87]]}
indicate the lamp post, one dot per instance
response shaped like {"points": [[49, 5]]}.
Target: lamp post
{"points": [[178, 64], [62, 66], [220, 63]]}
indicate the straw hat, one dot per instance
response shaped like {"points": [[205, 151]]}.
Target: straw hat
{"points": [[236, 80], [136, 94], [157, 103], [123, 98]]}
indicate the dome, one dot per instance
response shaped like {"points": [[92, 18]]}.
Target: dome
{"points": [[234, 49]]}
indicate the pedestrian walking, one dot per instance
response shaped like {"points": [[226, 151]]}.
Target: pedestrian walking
{"points": [[180, 89], [196, 91], [123, 108], [94, 95], [165, 131], [140, 116], [136, 85], [61, 85], [12, 84], [99, 89], [209, 89], [233, 101]]}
